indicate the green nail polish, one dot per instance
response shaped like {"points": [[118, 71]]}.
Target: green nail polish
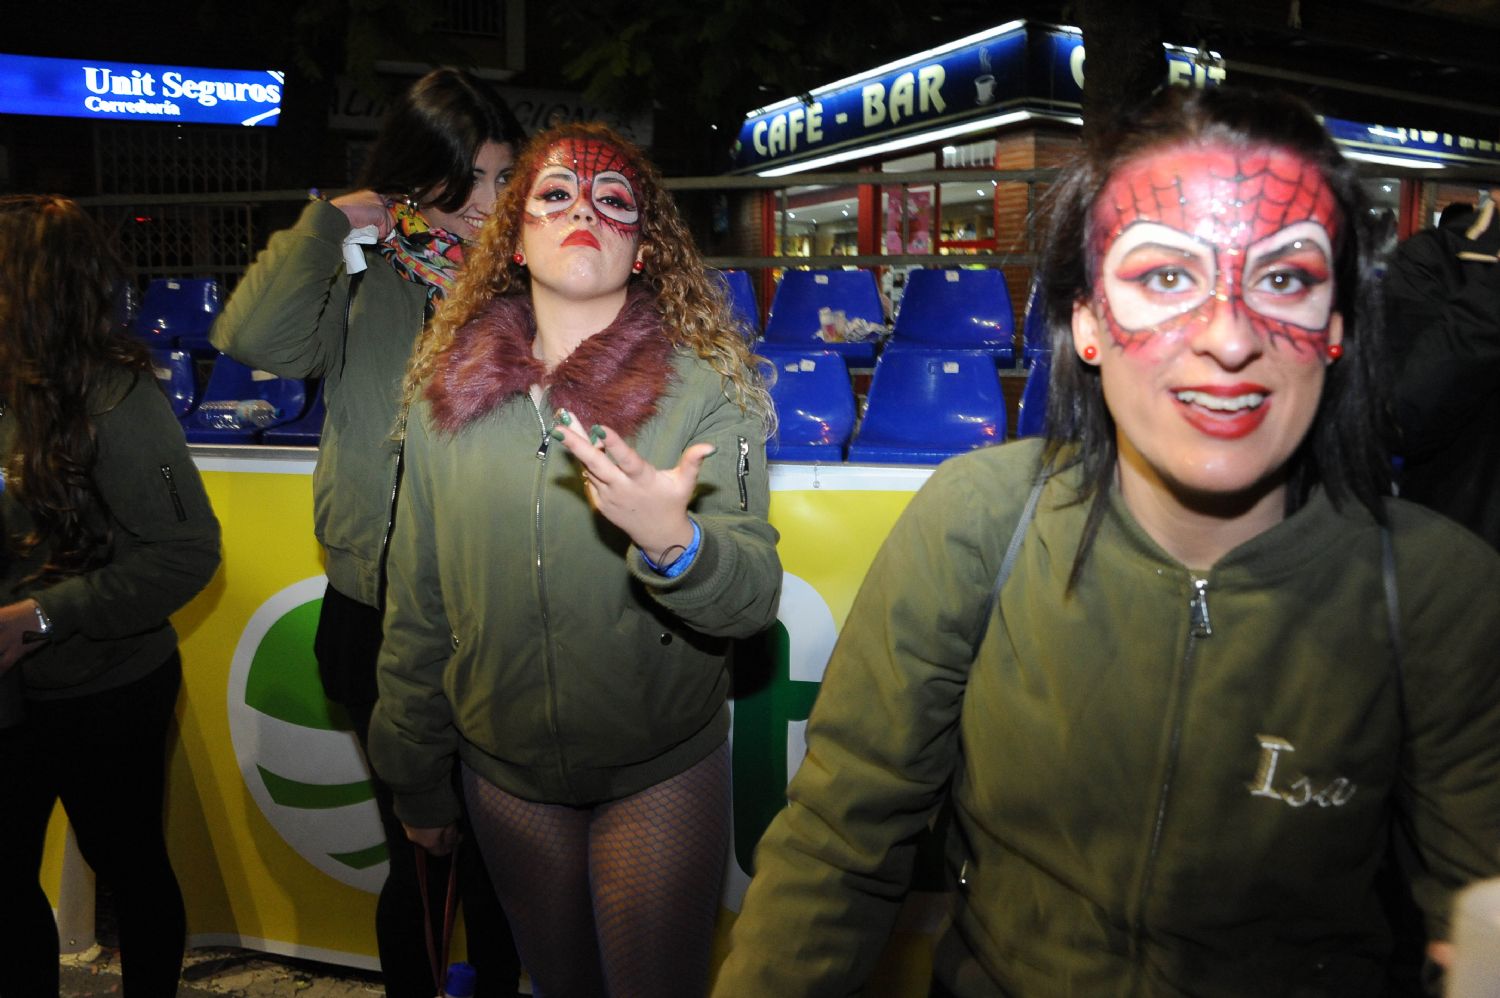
{"points": [[565, 417], [556, 434], [596, 433]]}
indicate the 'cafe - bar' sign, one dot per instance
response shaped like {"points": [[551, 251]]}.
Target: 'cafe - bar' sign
{"points": [[91, 88], [996, 77]]}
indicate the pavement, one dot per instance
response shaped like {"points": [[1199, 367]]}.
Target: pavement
{"points": [[212, 972], [215, 972]]}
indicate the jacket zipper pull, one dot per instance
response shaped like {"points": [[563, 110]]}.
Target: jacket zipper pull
{"points": [[541, 449], [742, 472], [166, 474], [1202, 626]]}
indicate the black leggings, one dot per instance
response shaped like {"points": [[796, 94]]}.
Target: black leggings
{"points": [[347, 645], [104, 756]]}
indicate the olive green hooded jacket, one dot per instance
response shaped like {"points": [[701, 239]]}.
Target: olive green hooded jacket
{"points": [[1162, 783], [523, 632], [289, 315], [109, 624]]}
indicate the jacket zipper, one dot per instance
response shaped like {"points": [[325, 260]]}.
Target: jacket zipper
{"points": [[390, 522], [541, 591], [1202, 625], [742, 472], [166, 474], [1198, 628]]}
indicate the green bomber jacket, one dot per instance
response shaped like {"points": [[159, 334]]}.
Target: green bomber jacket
{"points": [[523, 632], [288, 316], [1161, 783], [109, 624]]}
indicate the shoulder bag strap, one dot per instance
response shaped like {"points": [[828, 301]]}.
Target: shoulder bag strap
{"points": [[354, 280], [1012, 551], [1393, 618]]}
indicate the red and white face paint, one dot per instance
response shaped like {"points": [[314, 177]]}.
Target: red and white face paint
{"points": [[582, 220], [590, 172], [1212, 309], [1176, 237]]}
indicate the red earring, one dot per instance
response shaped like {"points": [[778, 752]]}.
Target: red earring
{"points": [[1335, 351], [520, 260], [1090, 352], [638, 266]]}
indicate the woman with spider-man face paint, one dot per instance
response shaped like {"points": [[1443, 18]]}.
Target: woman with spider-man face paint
{"points": [[1213, 714], [582, 531]]}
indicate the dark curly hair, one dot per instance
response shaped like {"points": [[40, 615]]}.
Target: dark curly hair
{"points": [[59, 276], [1346, 451]]}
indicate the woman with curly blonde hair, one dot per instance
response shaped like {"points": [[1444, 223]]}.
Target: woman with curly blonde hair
{"points": [[581, 533], [695, 313]]}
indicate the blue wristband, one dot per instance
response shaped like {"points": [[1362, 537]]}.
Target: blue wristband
{"points": [[682, 562]]}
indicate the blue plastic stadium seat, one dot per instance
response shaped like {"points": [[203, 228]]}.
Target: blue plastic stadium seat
{"points": [[232, 383], [305, 431], [1031, 414], [814, 404], [741, 294], [967, 309], [927, 404], [178, 379], [178, 312], [795, 318], [1034, 336]]}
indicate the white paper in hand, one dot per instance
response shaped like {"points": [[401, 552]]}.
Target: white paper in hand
{"points": [[354, 257]]}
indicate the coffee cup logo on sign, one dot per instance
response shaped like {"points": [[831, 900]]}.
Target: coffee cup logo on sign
{"points": [[984, 84]]}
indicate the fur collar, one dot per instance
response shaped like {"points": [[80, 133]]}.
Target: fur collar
{"points": [[615, 377]]}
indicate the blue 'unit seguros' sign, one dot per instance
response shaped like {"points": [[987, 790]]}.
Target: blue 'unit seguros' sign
{"points": [[93, 88]]}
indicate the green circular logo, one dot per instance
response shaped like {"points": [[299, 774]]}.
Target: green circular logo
{"points": [[296, 753]]}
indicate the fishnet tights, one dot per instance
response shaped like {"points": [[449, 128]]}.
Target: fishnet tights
{"points": [[617, 899]]}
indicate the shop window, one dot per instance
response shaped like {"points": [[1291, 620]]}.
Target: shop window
{"points": [[817, 220]]}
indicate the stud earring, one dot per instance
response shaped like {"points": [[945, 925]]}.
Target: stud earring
{"points": [[1090, 352], [518, 259], [638, 266], [1335, 351]]}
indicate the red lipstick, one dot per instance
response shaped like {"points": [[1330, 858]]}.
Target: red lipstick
{"points": [[1224, 411], [581, 237]]}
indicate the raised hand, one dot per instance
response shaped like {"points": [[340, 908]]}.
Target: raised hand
{"points": [[365, 208], [648, 503]]}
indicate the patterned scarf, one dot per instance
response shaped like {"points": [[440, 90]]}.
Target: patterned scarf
{"points": [[422, 253]]}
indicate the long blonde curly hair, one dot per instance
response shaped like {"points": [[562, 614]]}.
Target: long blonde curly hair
{"points": [[694, 306]]}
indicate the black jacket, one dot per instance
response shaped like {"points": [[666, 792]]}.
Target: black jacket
{"points": [[1443, 321]]}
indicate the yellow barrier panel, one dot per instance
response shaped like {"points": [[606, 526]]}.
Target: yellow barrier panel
{"points": [[270, 823]]}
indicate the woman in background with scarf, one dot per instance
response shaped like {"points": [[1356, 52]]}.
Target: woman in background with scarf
{"points": [[342, 295]]}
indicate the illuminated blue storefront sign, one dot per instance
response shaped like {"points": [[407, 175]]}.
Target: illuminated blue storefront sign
{"points": [[984, 80], [93, 88], [1412, 147]]}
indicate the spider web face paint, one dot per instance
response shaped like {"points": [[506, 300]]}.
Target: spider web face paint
{"points": [[1181, 232], [596, 173]]}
